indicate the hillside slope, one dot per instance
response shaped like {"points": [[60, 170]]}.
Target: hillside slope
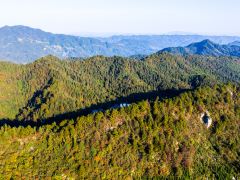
{"points": [[50, 86], [161, 139]]}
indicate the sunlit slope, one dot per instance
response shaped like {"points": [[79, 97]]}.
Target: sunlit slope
{"points": [[56, 86]]}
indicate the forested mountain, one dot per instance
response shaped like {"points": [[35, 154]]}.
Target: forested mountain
{"points": [[23, 44], [149, 139], [164, 116], [49, 86], [207, 48]]}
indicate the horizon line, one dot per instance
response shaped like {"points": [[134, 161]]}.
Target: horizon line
{"points": [[111, 34]]}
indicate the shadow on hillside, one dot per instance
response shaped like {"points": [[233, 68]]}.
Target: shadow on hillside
{"points": [[133, 98]]}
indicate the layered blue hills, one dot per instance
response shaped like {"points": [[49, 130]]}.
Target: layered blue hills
{"points": [[205, 47], [23, 44]]}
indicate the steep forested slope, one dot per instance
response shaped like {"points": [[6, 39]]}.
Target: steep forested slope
{"points": [[49, 86], [59, 119], [165, 139]]}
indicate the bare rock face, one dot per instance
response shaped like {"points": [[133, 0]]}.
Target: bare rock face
{"points": [[230, 92], [206, 119]]}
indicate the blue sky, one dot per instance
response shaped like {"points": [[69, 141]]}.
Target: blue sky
{"points": [[98, 17]]}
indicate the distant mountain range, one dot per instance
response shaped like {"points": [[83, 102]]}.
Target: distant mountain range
{"points": [[235, 43], [206, 47], [23, 44]]}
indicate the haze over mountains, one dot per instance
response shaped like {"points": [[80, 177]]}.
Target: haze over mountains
{"points": [[206, 47], [23, 44], [111, 90], [235, 43], [165, 116]]}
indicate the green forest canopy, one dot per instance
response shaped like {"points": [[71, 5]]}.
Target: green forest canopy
{"points": [[161, 137]]}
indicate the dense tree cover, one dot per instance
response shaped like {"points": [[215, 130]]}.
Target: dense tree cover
{"points": [[50, 87], [164, 139]]}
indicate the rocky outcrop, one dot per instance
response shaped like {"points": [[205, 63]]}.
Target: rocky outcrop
{"points": [[206, 119], [230, 92]]}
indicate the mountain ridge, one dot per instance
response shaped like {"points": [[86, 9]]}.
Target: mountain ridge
{"points": [[235, 43], [82, 83], [205, 47], [22, 44], [167, 135], [63, 118]]}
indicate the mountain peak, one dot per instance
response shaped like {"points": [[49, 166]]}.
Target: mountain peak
{"points": [[24, 44], [19, 29], [16, 27], [205, 42], [205, 47]]}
